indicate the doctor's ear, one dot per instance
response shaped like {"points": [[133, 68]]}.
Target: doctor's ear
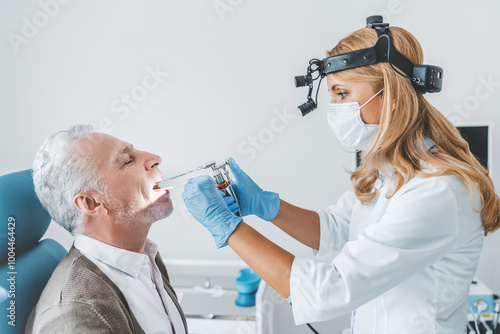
{"points": [[90, 204], [393, 105]]}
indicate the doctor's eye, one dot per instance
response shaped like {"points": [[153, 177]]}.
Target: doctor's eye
{"points": [[343, 94]]}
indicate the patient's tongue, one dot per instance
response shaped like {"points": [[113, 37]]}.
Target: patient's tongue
{"points": [[156, 187]]}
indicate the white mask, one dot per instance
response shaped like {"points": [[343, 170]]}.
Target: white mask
{"points": [[345, 121]]}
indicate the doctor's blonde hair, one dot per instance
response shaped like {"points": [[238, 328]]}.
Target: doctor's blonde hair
{"points": [[406, 118]]}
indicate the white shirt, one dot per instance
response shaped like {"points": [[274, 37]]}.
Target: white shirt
{"points": [[139, 279], [406, 263]]}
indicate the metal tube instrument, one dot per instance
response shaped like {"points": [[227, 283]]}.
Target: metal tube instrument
{"points": [[220, 174]]}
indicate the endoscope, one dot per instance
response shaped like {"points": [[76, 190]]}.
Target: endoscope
{"points": [[424, 78]]}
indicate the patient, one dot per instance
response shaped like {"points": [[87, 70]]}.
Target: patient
{"points": [[101, 189]]}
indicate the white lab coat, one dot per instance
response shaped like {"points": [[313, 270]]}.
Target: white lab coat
{"points": [[405, 264]]}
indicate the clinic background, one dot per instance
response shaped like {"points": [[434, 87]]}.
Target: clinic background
{"points": [[203, 80]]}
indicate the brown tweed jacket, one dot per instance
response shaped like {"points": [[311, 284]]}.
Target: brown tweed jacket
{"points": [[80, 298]]}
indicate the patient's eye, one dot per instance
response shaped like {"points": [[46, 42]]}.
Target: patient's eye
{"points": [[129, 161]]}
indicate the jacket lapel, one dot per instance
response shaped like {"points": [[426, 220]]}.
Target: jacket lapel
{"points": [[168, 287], [75, 253]]}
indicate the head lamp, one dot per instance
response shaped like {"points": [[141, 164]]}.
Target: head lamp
{"points": [[424, 78]]}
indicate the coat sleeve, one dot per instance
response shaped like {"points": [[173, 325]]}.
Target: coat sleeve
{"points": [[419, 228], [334, 224]]}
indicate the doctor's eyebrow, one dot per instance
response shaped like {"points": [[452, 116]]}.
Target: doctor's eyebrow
{"points": [[127, 149], [335, 86]]}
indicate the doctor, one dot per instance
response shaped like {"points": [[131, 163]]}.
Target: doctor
{"points": [[410, 232]]}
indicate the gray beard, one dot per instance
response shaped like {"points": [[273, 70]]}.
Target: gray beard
{"points": [[133, 213]]}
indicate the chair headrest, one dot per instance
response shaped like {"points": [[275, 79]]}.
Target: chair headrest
{"points": [[20, 212]]}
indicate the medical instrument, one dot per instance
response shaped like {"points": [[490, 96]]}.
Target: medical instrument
{"points": [[482, 309], [481, 306], [203, 166], [470, 330], [487, 327], [475, 319], [424, 78], [497, 311], [220, 174], [172, 187], [157, 187]]}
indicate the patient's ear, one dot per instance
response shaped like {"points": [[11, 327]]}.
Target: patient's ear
{"points": [[90, 204]]}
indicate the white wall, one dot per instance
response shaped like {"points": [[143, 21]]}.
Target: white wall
{"points": [[230, 66]]}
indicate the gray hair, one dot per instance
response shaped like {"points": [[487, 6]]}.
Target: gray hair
{"points": [[59, 174]]}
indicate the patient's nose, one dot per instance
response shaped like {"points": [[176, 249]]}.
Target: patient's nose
{"points": [[152, 161]]}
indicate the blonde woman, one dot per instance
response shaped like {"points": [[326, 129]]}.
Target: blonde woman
{"points": [[409, 234]]}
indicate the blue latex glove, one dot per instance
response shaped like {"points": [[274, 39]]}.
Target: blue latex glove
{"points": [[204, 201], [231, 202], [251, 198]]}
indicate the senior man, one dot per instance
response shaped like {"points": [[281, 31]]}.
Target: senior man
{"points": [[102, 190]]}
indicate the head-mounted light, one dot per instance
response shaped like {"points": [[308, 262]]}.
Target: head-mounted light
{"points": [[424, 78]]}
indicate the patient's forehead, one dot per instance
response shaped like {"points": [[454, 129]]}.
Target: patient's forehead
{"points": [[99, 146]]}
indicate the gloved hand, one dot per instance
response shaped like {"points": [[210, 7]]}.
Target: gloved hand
{"points": [[251, 198], [204, 201], [231, 202]]}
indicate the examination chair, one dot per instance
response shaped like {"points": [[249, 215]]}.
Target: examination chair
{"points": [[26, 263]]}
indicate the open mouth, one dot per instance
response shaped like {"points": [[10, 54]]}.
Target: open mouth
{"points": [[156, 186]]}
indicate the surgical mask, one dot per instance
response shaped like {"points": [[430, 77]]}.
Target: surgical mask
{"points": [[345, 121]]}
